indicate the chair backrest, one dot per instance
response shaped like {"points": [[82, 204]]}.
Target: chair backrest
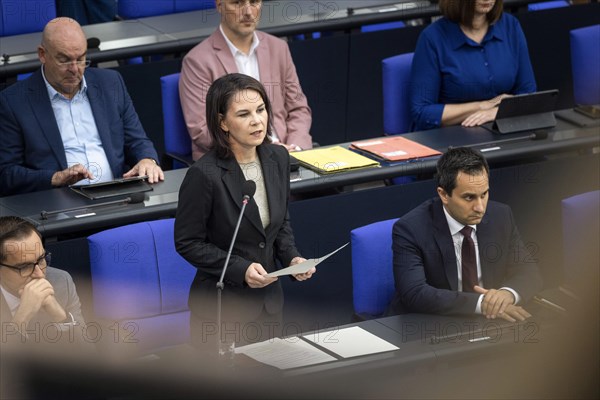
{"points": [[585, 63], [130, 9], [138, 276], [581, 235], [545, 5], [177, 139], [372, 271], [25, 16], [396, 83], [193, 5]]}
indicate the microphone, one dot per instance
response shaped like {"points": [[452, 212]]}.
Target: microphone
{"points": [[248, 190], [541, 135], [134, 198]]}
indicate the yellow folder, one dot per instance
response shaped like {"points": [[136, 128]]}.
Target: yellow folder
{"points": [[329, 160]]}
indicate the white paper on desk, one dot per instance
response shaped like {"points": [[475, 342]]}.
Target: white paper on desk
{"points": [[286, 353], [304, 266], [351, 342]]}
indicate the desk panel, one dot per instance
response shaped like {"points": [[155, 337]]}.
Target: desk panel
{"points": [[549, 366]]}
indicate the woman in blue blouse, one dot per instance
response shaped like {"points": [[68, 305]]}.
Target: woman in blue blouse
{"points": [[465, 63]]}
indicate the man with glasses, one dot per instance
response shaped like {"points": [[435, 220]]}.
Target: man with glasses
{"points": [[37, 302], [236, 46], [68, 123]]}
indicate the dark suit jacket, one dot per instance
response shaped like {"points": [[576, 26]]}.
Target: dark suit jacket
{"points": [[425, 268], [66, 296], [210, 201], [32, 149]]}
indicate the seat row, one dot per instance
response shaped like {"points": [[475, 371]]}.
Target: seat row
{"points": [[396, 78], [26, 16]]}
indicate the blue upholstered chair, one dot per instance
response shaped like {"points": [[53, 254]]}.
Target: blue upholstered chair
{"points": [[396, 81], [372, 271], [25, 16], [545, 5], [178, 145], [141, 283], [581, 235], [585, 63]]}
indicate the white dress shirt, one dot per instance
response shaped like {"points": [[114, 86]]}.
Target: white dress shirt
{"points": [[247, 63], [457, 239]]}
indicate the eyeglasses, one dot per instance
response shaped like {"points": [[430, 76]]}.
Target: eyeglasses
{"points": [[27, 269], [80, 63], [66, 64]]}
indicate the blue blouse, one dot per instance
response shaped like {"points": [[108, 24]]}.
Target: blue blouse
{"points": [[450, 68]]}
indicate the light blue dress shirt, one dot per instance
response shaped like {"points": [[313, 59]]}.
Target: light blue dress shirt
{"points": [[450, 68], [79, 133]]}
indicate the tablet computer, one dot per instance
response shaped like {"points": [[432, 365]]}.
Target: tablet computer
{"points": [[117, 187], [525, 112]]}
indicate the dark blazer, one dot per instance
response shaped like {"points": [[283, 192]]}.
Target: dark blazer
{"points": [[425, 268], [66, 296], [210, 201], [32, 149]]}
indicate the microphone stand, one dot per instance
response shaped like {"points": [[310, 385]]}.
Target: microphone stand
{"points": [[223, 350]]}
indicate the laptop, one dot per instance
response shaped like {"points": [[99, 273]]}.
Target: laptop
{"points": [[526, 112]]}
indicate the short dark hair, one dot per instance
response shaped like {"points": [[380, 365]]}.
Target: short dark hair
{"points": [[459, 159], [218, 99], [14, 228], [463, 11]]}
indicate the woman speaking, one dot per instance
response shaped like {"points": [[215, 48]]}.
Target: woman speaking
{"points": [[238, 113]]}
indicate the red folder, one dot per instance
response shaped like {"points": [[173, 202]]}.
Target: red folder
{"points": [[393, 148]]}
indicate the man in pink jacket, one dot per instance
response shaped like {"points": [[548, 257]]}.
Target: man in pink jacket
{"points": [[236, 46]]}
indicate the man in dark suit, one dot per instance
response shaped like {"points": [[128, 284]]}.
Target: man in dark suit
{"points": [[38, 303], [459, 253], [67, 123]]}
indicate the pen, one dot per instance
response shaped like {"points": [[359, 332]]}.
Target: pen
{"points": [[479, 339], [549, 303], [490, 149]]}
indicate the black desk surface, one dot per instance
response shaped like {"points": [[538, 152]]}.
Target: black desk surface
{"points": [[162, 201]]}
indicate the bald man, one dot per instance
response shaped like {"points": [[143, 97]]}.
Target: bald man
{"points": [[68, 123]]}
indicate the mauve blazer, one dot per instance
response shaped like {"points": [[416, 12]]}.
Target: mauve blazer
{"points": [[212, 59]]}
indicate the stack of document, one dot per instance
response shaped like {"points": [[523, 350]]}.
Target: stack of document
{"points": [[329, 160], [316, 348], [393, 148]]}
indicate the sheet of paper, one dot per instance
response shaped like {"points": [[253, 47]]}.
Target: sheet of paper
{"points": [[350, 342], [291, 352], [304, 266]]}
